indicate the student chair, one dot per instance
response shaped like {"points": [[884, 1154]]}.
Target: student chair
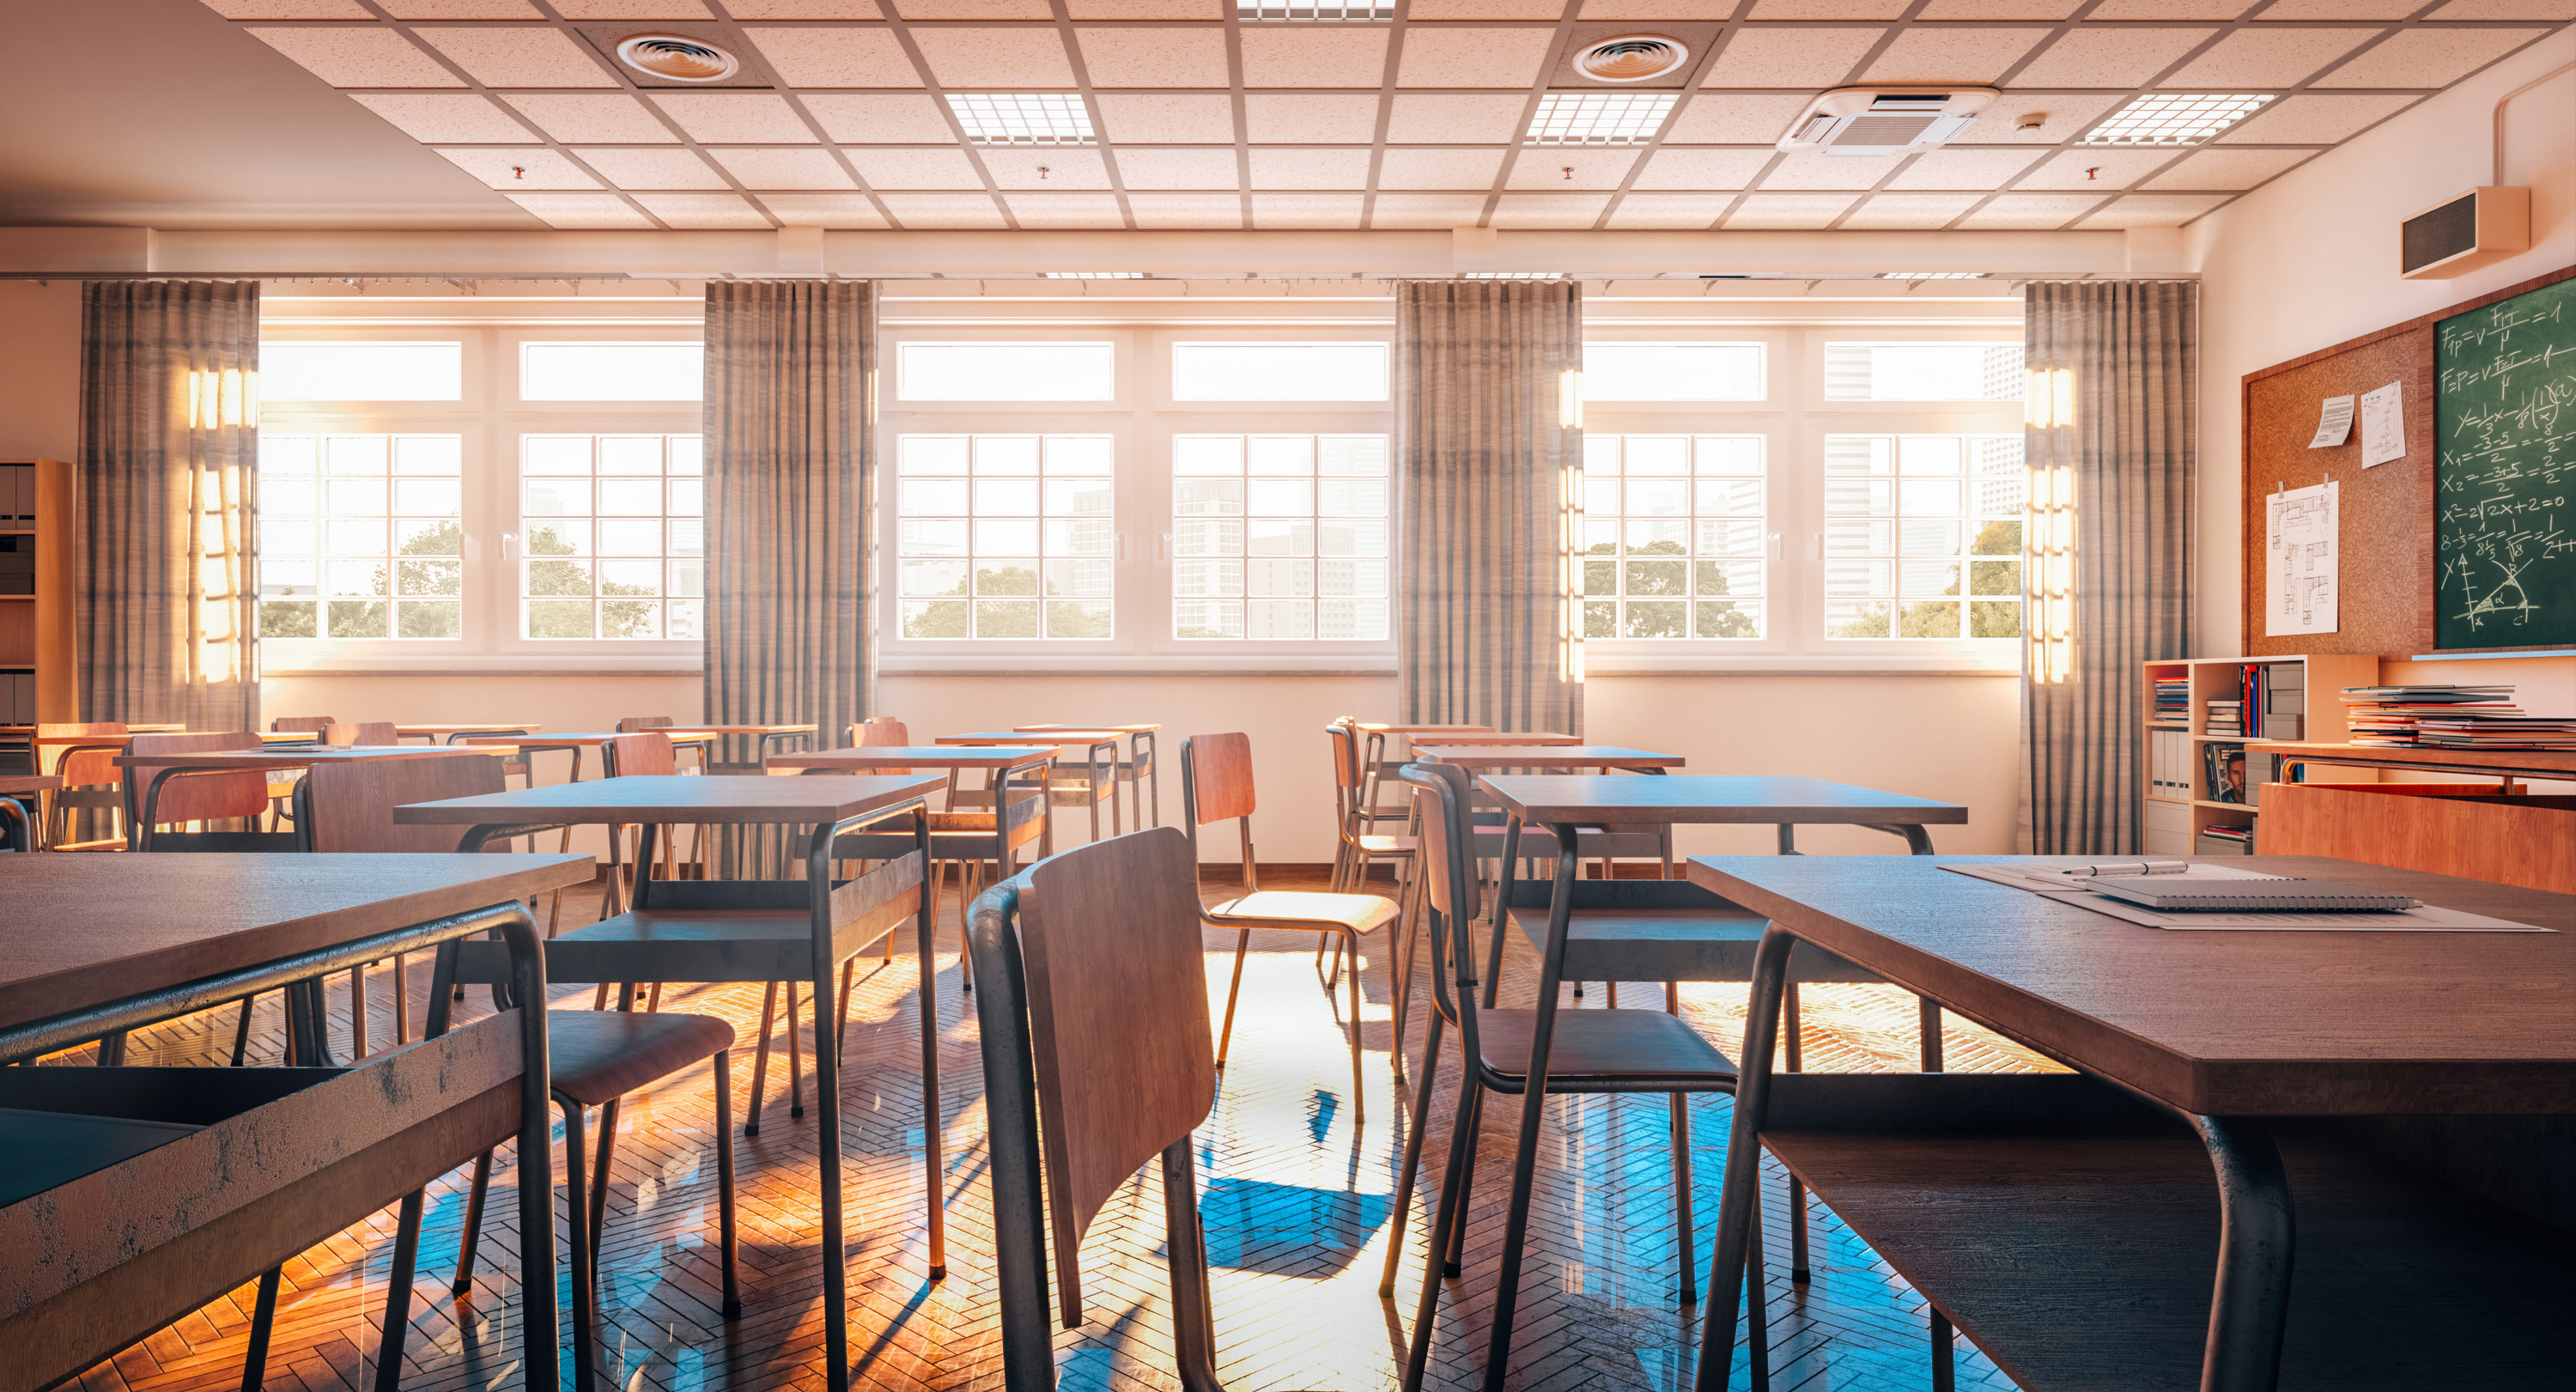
{"points": [[374, 734], [91, 779], [1216, 783], [1357, 847]]}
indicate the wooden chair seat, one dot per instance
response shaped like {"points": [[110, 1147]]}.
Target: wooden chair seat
{"points": [[595, 1057], [1282, 908], [1590, 1045], [1387, 847]]}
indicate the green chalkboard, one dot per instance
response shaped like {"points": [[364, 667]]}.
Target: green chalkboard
{"points": [[2504, 503]]}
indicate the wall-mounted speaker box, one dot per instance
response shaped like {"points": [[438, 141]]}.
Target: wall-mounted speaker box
{"points": [[2458, 235]]}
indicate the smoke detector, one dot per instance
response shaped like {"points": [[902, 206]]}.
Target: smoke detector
{"points": [[677, 58], [1631, 58], [1885, 120]]}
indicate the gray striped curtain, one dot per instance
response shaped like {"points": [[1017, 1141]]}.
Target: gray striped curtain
{"points": [[1489, 478], [2113, 413], [169, 452]]}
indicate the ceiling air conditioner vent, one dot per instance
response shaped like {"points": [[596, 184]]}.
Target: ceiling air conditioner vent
{"points": [[1631, 58], [677, 58], [1885, 120]]}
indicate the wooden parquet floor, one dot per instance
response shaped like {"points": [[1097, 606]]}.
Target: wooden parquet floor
{"points": [[1296, 1201]]}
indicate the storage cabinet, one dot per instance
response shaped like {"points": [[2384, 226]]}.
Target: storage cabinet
{"points": [[37, 681], [2182, 805]]}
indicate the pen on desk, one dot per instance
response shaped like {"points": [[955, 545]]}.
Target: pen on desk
{"points": [[2130, 867]]}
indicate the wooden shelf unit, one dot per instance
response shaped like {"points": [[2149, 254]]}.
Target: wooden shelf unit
{"points": [[2213, 678], [37, 677]]}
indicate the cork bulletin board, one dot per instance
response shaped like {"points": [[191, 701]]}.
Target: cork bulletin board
{"points": [[2387, 577]]}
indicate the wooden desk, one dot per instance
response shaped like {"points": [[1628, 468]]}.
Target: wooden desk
{"points": [[272, 761], [1506, 737], [220, 1174], [575, 741], [1142, 768], [12, 787], [1099, 768], [2225, 1029], [2502, 764], [449, 732], [1000, 762], [1486, 758], [766, 734]]}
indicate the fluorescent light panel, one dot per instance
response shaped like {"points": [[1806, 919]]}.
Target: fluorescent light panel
{"points": [[1513, 275], [1931, 275], [1022, 118], [1599, 118], [1095, 275], [1326, 11], [2175, 118]]}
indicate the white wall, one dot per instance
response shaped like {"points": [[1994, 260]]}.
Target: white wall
{"points": [[39, 369]]}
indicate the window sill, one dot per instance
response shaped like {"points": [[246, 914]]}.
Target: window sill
{"points": [[1161, 665], [483, 665], [1784, 664]]}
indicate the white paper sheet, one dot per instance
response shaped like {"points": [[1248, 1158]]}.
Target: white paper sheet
{"points": [[2049, 884], [2303, 541], [2383, 425], [2334, 423], [2051, 879]]}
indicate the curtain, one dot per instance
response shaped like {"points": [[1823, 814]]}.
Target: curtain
{"points": [[2112, 415], [1489, 449], [169, 452]]}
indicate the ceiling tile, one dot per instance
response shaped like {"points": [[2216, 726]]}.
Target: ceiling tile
{"points": [[2108, 57], [1327, 56], [913, 169], [2428, 57], [995, 59], [1648, 212], [804, 9], [289, 9], [1186, 210], [2170, 9], [792, 167], [469, 9], [1471, 56], [1730, 118], [1425, 210], [2228, 169], [1440, 169], [668, 167], [2338, 9], [1543, 169], [2253, 59], [436, 117], [1155, 57], [1685, 168], [1066, 210], [1983, 169], [2152, 210], [2118, 169], [973, 9], [520, 168], [613, 119], [1806, 169], [1999, 9], [1067, 169], [358, 57], [1952, 55], [1898, 212], [1657, 9], [2506, 9], [1790, 210], [2061, 115], [1279, 118], [1306, 210], [861, 57], [703, 211], [1829, 9], [872, 118], [581, 210], [1202, 168], [1276, 167], [519, 56], [929, 211], [1550, 210], [1146, 9], [2314, 119], [1167, 118], [631, 9], [1789, 57], [2011, 211], [841, 210], [1484, 9], [734, 118], [1459, 120]]}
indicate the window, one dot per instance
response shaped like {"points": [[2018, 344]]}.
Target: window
{"points": [[1006, 536], [1279, 537], [614, 536], [1007, 371], [361, 536], [1923, 372], [611, 371], [361, 371], [1672, 372], [1673, 536], [1923, 536], [1279, 372]]}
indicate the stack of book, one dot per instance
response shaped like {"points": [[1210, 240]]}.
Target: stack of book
{"points": [[2226, 840], [2393, 716], [2454, 731], [2226, 718], [2173, 701]]}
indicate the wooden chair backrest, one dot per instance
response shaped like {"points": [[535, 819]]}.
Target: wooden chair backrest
{"points": [[629, 724], [1220, 770], [83, 767], [1346, 756], [350, 807], [1459, 898], [1118, 1018], [302, 722], [373, 733], [196, 797], [644, 752], [882, 732]]}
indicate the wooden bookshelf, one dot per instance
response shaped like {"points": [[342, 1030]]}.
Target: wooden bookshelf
{"points": [[2324, 676], [37, 677]]}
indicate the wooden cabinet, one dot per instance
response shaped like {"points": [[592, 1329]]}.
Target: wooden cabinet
{"points": [[2174, 752], [2468, 830], [37, 677]]}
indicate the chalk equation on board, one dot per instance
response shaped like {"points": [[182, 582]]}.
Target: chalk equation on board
{"points": [[2504, 530]]}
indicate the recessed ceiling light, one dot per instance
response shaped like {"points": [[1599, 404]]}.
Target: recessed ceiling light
{"points": [[1631, 58], [1022, 118], [1932, 275], [1320, 11], [1513, 275], [2175, 118], [677, 58], [1599, 118], [1095, 275]]}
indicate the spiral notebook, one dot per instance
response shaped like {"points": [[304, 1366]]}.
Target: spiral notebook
{"points": [[2178, 894]]}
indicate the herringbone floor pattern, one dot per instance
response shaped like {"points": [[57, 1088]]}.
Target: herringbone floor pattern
{"points": [[1296, 1200]]}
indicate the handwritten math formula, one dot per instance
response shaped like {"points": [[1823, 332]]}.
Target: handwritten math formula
{"points": [[2505, 473]]}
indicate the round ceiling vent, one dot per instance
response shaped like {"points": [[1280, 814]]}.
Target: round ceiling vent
{"points": [[1632, 58], [677, 58]]}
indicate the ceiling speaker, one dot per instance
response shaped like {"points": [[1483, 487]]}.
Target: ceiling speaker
{"points": [[1631, 58], [677, 58]]}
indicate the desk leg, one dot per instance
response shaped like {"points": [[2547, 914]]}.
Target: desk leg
{"points": [[1743, 1162], [1533, 1107], [1502, 905], [932, 1153], [2257, 1239], [1788, 839]]}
